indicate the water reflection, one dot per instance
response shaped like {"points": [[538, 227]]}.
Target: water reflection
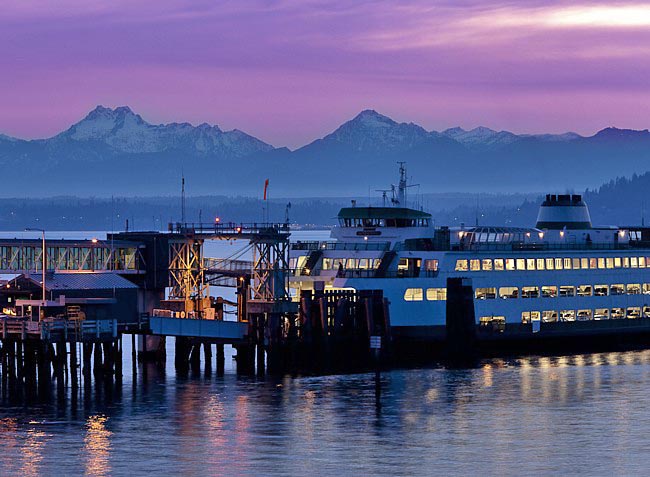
{"points": [[436, 419]]}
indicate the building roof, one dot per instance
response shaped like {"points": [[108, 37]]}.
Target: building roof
{"points": [[381, 213], [81, 281]]}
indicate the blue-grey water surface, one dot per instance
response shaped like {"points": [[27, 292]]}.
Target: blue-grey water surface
{"points": [[584, 414]]}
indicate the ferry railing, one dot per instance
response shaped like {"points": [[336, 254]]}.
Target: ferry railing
{"points": [[371, 273], [523, 246], [354, 246]]}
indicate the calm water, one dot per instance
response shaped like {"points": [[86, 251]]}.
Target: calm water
{"points": [[583, 414]]}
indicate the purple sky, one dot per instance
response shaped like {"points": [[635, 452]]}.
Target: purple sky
{"points": [[290, 71]]}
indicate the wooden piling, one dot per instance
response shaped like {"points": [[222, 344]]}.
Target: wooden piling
{"points": [[74, 365], [207, 354], [221, 359]]}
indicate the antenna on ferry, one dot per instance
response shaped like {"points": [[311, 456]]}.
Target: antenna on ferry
{"points": [[384, 195]]}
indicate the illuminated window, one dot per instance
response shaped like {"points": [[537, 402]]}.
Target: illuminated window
{"points": [[567, 290], [496, 323], [576, 263], [633, 313], [508, 292], [558, 264], [646, 311], [617, 313], [475, 265], [634, 262], [584, 315], [601, 263], [549, 264], [530, 264], [593, 263], [626, 262], [616, 289], [567, 264], [485, 293], [609, 262], [584, 263], [601, 290], [327, 264], [521, 264], [436, 294], [487, 264], [617, 262], [431, 265], [413, 294], [461, 265], [642, 262], [530, 292], [584, 290], [510, 263], [601, 314], [646, 288], [540, 264], [633, 289], [567, 315], [498, 264], [549, 316], [529, 316], [549, 291]]}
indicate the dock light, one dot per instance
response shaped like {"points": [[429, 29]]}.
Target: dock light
{"points": [[365, 238], [528, 234], [561, 233], [541, 235], [621, 233], [238, 229], [217, 220], [94, 240]]}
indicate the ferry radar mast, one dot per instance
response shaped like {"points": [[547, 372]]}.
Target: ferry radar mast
{"points": [[402, 186]]}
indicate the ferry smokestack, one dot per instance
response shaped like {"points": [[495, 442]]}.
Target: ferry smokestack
{"points": [[560, 211]]}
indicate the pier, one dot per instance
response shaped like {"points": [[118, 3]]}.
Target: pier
{"points": [[68, 322]]}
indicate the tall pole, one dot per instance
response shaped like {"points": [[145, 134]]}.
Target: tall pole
{"points": [[44, 265]]}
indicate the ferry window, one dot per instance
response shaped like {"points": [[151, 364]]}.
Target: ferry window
{"points": [[609, 262], [626, 262], [549, 264], [497, 323], [549, 316], [530, 292], [601, 314], [508, 292], [510, 263], [376, 262], [337, 262], [601, 290], [601, 263], [567, 290], [576, 263], [618, 313], [593, 263], [413, 294], [567, 315], [646, 311], [558, 264], [530, 264], [633, 289], [584, 315], [617, 262], [498, 264], [461, 265], [634, 262], [641, 262], [549, 291], [567, 264], [616, 289], [633, 313], [584, 290], [540, 264], [584, 263], [363, 263], [646, 288], [521, 264], [431, 265], [485, 293], [353, 263], [436, 294], [492, 237], [327, 263], [475, 265], [487, 264], [525, 317]]}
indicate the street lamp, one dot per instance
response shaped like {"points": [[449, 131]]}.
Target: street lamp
{"points": [[29, 229]]}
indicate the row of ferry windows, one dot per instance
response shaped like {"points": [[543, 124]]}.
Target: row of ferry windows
{"points": [[350, 263], [552, 316], [552, 291], [510, 264]]}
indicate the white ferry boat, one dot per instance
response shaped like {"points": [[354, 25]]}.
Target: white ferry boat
{"points": [[563, 277]]}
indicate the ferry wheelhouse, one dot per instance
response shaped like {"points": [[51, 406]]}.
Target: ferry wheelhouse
{"points": [[562, 277]]}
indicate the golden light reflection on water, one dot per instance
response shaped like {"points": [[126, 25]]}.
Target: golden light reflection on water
{"points": [[32, 453], [97, 446]]}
